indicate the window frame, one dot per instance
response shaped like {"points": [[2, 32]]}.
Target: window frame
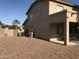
{"points": [[59, 6]]}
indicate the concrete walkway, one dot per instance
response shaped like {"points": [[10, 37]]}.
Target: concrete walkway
{"points": [[70, 43]]}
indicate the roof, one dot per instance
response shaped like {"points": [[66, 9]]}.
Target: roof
{"points": [[2, 24], [25, 21]]}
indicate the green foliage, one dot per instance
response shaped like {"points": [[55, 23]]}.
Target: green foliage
{"points": [[14, 27], [15, 24]]}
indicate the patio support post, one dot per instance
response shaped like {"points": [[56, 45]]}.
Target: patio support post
{"points": [[66, 32]]}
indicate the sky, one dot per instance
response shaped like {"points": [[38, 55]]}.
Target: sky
{"points": [[13, 9], [73, 1], [16, 9]]}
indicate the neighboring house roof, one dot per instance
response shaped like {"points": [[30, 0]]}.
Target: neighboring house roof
{"points": [[57, 1], [2, 24]]}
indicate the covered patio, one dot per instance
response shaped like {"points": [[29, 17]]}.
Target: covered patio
{"points": [[64, 27], [66, 33]]}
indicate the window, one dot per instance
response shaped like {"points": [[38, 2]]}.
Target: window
{"points": [[59, 8]]}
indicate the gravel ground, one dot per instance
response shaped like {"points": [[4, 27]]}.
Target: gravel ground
{"points": [[30, 48]]}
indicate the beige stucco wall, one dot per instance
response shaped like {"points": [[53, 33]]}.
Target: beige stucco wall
{"points": [[1, 31], [8, 32], [53, 9], [5, 32]]}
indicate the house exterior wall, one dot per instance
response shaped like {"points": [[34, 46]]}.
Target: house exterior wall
{"points": [[43, 14], [71, 14], [39, 20], [52, 7]]}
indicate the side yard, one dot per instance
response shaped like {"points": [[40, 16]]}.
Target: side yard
{"points": [[31, 48]]}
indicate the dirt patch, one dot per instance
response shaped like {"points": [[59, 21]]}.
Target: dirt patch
{"points": [[28, 48]]}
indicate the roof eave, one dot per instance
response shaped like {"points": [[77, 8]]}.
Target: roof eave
{"points": [[25, 21]]}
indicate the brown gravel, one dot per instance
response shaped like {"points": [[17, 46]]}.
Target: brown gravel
{"points": [[28, 48]]}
